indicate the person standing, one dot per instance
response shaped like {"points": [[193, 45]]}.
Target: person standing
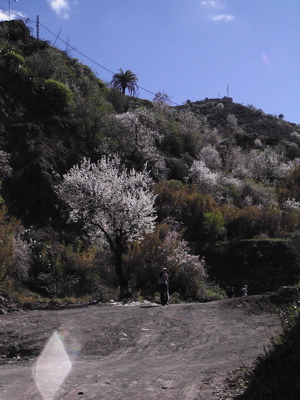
{"points": [[163, 281], [245, 290], [231, 293]]}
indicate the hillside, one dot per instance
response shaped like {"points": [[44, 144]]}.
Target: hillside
{"points": [[226, 178]]}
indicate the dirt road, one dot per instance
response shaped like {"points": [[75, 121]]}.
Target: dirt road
{"points": [[147, 352]]}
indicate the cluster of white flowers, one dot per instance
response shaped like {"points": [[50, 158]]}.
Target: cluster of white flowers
{"points": [[267, 165], [234, 127], [211, 157], [242, 174], [21, 258], [5, 168], [292, 204], [205, 179], [178, 255], [139, 137], [295, 135], [112, 202]]}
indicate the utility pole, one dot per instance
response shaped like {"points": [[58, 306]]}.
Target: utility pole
{"points": [[37, 27], [9, 9]]}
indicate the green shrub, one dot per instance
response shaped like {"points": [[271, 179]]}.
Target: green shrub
{"points": [[49, 63], [13, 61], [186, 205], [250, 222], [58, 95], [214, 225], [211, 292], [174, 298], [60, 271]]}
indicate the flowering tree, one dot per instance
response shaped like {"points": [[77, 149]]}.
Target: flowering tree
{"points": [[205, 179], [234, 127], [138, 139], [267, 165], [5, 168], [237, 162], [211, 157], [115, 205], [186, 270]]}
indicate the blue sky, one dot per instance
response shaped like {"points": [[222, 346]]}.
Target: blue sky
{"points": [[189, 49]]}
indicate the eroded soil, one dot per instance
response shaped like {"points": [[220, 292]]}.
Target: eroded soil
{"points": [[141, 352]]}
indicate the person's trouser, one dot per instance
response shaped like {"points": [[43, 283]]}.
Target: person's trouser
{"points": [[164, 294]]}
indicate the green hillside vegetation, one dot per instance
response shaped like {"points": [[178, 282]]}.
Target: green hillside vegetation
{"points": [[226, 177]]}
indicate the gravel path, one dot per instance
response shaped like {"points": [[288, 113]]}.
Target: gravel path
{"points": [[142, 352]]}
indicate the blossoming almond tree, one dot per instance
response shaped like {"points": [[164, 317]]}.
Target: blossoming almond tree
{"points": [[139, 137], [113, 203]]}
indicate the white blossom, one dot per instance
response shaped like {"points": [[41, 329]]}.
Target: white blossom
{"points": [[21, 258], [237, 163], [292, 204], [267, 165], [205, 179], [114, 204], [233, 125], [139, 137], [211, 157], [211, 136], [111, 201], [5, 168]]}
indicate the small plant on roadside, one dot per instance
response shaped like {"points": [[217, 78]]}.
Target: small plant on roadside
{"points": [[175, 298]]}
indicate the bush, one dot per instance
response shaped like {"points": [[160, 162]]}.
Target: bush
{"points": [[185, 205], [164, 248], [49, 63], [214, 226], [57, 95], [13, 61], [59, 270], [249, 222], [14, 254], [174, 298], [211, 292]]}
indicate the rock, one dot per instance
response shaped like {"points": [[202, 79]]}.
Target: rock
{"points": [[3, 310], [285, 294], [7, 305], [27, 306]]}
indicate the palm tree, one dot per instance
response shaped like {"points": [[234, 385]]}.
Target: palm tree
{"points": [[125, 80]]}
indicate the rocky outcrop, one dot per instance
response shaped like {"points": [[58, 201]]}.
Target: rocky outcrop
{"points": [[7, 305], [286, 294]]}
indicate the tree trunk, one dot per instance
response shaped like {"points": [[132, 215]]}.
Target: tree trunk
{"points": [[123, 281]]}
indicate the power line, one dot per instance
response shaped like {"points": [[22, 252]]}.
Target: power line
{"points": [[82, 54]]}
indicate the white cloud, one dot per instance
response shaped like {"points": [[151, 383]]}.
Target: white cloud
{"points": [[61, 7], [4, 15], [217, 5], [222, 17], [212, 3]]}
